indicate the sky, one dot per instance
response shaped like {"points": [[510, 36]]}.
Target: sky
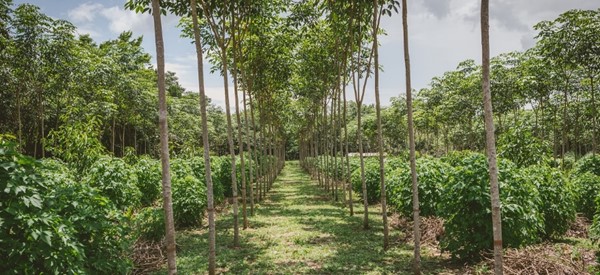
{"points": [[442, 33]]}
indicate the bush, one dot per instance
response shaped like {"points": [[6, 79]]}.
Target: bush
{"points": [[587, 188], [115, 180], [588, 163], [594, 232], [372, 181], [431, 173], [149, 180], [455, 158], [51, 224], [149, 224], [189, 201], [557, 199], [33, 238], [466, 207], [522, 147]]}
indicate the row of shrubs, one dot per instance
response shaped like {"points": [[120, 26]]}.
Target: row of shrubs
{"points": [[55, 220], [538, 201]]}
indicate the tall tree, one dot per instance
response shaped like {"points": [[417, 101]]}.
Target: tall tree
{"points": [[219, 29], [376, 17], [209, 183], [164, 139], [411, 141], [490, 139]]}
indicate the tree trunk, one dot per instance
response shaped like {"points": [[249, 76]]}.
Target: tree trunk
{"points": [[411, 145], [240, 140], [347, 175], [490, 138], [250, 149], [164, 140], [259, 173], [594, 118], [205, 144], [236, 230], [379, 129]]}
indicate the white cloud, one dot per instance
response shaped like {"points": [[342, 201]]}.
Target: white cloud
{"points": [[85, 12], [120, 20]]}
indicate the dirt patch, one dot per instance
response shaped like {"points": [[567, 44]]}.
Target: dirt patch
{"points": [[579, 228], [546, 258], [148, 256], [432, 228]]}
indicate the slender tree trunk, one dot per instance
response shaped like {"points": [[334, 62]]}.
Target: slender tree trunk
{"points": [[112, 142], [251, 150], [19, 122], [347, 178], [594, 117], [164, 140], [236, 230], [259, 173], [123, 140], [411, 144], [362, 168], [240, 140], [379, 129], [490, 139], [205, 144]]}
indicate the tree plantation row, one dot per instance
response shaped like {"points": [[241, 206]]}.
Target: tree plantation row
{"points": [[94, 161], [60, 217], [540, 201]]}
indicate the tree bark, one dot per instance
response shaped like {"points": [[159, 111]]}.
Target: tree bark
{"points": [[411, 145], [205, 144], [379, 129], [490, 138], [239, 126], [164, 140]]}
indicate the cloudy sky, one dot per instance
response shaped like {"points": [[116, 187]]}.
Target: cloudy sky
{"points": [[442, 33]]}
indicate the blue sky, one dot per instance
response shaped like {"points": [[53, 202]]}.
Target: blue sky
{"points": [[442, 33]]}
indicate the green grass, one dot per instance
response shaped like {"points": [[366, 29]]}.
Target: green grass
{"points": [[299, 230]]}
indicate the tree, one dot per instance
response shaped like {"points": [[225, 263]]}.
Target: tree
{"points": [[411, 142], [490, 138], [164, 139], [220, 32], [376, 20], [207, 174]]}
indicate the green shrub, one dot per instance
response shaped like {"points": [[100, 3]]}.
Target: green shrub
{"points": [[455, 158], [33, 237], [594, 232], [115, 180], [149, 224], [149, 180], [588, 163], [372, 181], [49, 223], [189, 201], [557, 198], [218, 186], [519, 145], [431, 173], [587, 188], [102, 229], [466, 207]]}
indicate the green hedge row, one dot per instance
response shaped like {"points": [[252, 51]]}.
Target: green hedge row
{"points": [[56, 220], [538, 201]]}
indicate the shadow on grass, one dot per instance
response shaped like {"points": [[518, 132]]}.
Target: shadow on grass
{"points": [[298, 229]]}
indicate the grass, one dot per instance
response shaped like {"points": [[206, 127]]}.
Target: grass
{"points": [[297, 229]]}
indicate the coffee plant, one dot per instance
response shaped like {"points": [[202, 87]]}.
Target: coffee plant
{"points": [[465, 205]]}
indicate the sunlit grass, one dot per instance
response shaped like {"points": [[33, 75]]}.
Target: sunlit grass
{"points": [[298, 229]]}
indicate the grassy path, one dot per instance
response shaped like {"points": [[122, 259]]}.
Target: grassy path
{"points": [[299, 230]]}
